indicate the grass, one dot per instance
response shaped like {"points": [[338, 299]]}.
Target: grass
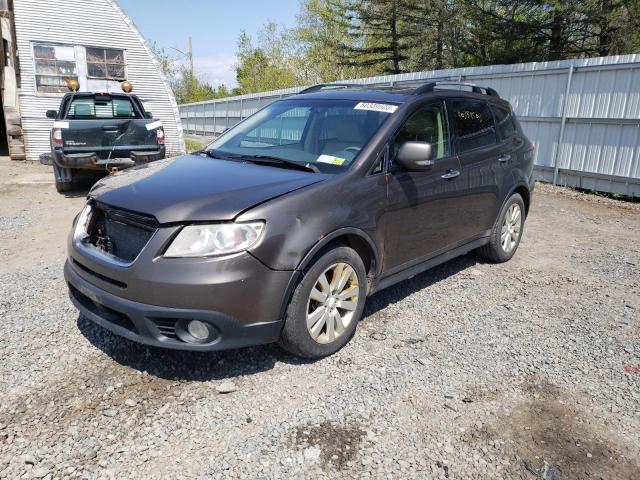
{"points": [[192, 145]]}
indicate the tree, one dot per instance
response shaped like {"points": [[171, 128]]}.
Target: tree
{"points": [[269, 64], [344, 39], [381, 34], [186, 87], [322, 33]]}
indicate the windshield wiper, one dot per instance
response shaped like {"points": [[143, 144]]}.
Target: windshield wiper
{"points": [[270, 160], [212, 154]]}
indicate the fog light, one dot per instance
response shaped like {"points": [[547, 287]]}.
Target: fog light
{"points": [[198, 330]]}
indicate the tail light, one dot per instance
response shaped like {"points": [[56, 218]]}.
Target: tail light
{"points": [[160, 135], [58, 142]]}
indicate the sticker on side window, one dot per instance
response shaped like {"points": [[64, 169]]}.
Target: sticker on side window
{"points": [[331, 159], [376, 107]]}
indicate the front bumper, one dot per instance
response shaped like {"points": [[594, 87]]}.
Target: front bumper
{"points": [[162, 326], [151, 299]]}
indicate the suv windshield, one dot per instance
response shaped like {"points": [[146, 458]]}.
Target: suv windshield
{"points": [[328, 134]]}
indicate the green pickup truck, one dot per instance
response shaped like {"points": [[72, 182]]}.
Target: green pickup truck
{"points": [[106, 132]]}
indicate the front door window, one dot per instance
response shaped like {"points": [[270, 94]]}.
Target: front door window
{"points": [[427, 124]]}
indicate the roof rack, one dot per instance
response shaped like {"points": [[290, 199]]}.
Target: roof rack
{"points": [[431, 86], [320, 86]]}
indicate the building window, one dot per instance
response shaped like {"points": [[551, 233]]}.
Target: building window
{"points": [[107, 63], [54, 64]]}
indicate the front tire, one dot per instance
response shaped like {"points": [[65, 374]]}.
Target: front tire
{"points": [[326, 306], [506, 233]]}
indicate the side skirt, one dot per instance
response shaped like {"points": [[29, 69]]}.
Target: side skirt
{"points": [[426, 265]]}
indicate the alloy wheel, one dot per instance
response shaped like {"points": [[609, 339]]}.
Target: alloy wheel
{"points": [[511, 228], [332, 303]]}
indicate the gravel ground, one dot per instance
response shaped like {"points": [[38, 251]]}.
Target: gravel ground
{"points": [[523, 370]]}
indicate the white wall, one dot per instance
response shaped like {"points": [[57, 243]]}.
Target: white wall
{"points": [[87, 23]]}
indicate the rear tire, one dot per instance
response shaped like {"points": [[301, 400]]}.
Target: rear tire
{"points": [[63, 187], [65, 178], [326, 306], [506, 233]]}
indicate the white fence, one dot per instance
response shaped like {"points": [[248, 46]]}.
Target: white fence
{"points": [[582, 114]]}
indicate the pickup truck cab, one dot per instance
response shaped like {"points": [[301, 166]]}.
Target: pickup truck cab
{"points": [[101, 132]]}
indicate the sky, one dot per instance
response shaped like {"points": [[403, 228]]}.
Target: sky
{"points": [[214, 26]]}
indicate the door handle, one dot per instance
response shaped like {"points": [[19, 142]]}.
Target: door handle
{"points": [[504, 158], [450, 174], [110, 128]]}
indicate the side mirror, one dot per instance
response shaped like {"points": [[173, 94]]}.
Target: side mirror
{"points": [[415, 156], [52, 114], [149, 115]]}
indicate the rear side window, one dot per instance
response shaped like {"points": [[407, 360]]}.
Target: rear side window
{"points": [[505, 121], [473, 125], [101, 107]]}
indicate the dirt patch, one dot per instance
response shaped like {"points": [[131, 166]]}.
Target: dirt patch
{"points": [[338, 444], [554, 438]]}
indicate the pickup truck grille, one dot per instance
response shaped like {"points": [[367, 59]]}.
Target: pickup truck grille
{"points": [[120, 233]]}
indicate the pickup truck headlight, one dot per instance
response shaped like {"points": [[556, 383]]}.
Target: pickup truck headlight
{"points": [[214, 239], [82, 224]]}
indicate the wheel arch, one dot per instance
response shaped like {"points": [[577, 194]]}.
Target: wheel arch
{"points": [[523, 191], [355, 238], [352, 237]]}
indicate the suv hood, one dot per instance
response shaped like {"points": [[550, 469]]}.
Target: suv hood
{"points": [[195, 188]]}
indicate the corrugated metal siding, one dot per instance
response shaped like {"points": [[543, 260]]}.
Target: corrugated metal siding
{"points": [[98, 23], [601, 144]]}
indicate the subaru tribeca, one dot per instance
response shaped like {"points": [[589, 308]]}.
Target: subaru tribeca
{"points": [[284, 225]]}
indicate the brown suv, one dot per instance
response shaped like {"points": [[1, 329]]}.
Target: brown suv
{"points": [[281, 228]]}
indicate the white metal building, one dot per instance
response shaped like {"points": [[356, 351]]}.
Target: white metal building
{"points": [[92, 41]]}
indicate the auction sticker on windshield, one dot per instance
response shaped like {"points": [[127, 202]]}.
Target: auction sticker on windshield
{"points": [[331, 159], [376, 107]]}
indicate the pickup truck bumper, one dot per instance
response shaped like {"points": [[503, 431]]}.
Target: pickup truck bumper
{"points": [[91, 161]]}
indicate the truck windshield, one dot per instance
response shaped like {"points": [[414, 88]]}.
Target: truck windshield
{"points": [[328, 134], [101, 107]]}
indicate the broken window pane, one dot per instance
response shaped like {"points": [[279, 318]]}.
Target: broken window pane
{"points": [[115, 71], [43, 51], [96, 70], [114, 56], [105, 63]]}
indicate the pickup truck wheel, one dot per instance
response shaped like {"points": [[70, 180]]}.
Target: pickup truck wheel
{"points": [[65, 178], [326, 306], [506, 233], [63, 187]]}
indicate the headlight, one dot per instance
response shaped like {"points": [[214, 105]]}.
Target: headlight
{"points": [[216, 239], [82, 224]]}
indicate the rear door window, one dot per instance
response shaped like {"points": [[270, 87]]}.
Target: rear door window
{"points": [[505, 121], [473, 124], [101, 107]]}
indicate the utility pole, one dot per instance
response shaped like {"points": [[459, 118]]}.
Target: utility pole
{"points": [[191, 57]]}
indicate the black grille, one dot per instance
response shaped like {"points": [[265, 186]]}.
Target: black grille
{"points": [[120, 233], [166, 326]]}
